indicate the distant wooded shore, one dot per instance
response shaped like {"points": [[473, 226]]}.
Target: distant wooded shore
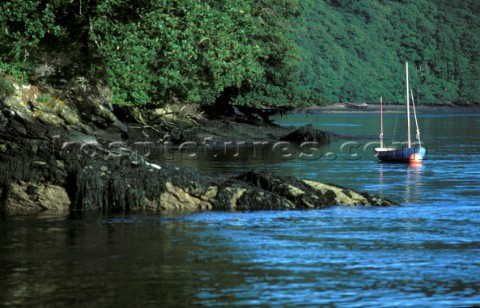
{"points": [[375, 107]]}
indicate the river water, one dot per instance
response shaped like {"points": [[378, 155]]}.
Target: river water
{"points": [[423, 253]]}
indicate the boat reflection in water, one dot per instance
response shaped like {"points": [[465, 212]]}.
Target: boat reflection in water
{"points": [[406, 179]]}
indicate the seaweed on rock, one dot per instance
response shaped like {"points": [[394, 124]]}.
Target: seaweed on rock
{"points": [[60, 165]]}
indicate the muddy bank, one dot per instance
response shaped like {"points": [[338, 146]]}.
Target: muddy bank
{"points": [[72, 152], [181, 127]]}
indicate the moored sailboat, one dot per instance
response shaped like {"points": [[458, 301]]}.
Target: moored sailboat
{"points": [[407, 154]]}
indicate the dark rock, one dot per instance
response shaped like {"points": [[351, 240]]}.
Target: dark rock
{"points": [[307, 133], [148, 186], [303, 194], [52, 164], [183, 134]]}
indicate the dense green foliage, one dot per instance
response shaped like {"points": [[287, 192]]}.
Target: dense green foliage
{"points": [[356, 49], [254, 52], [191, 50], [160, 50]]}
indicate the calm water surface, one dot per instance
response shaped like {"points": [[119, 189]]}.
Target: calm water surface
{"points": [[424, 253]]}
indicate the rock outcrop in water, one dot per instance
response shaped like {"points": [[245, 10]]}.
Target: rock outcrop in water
{"points": [[307, 134], [57, 156]]}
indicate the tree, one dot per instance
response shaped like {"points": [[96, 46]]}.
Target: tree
{"points": [[356, 49], [158, 51]]}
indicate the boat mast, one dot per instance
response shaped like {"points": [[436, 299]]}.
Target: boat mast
{"points": [[416, 121], [408, 107], [381, 123]]}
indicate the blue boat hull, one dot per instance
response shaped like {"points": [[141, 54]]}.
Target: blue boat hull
{"points": [[403, 155]]}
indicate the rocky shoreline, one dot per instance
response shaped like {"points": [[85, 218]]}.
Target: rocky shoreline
{"points": [[72, 152]]}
